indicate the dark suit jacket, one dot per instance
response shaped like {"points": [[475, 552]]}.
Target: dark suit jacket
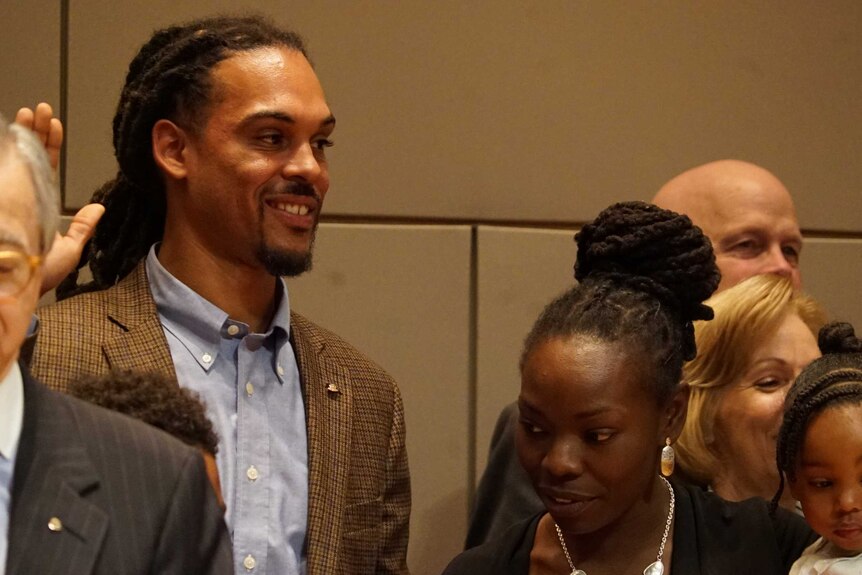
{"points": [[130, 498], [359, 484]]}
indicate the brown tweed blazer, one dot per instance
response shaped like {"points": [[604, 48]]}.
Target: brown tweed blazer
{"points": [[359, 484]]}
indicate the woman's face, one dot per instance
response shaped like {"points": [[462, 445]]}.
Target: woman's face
{"points": [[590, 431], [749, 412]]}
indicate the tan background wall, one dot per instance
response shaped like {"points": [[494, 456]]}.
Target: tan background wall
{"points": [[473, 139]]}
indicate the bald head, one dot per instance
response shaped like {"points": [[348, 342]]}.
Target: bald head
{"points": [[746, 212]]}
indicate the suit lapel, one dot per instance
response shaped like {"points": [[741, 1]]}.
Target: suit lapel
{"points": [[52, 472], [328, 399], [142, 342]]}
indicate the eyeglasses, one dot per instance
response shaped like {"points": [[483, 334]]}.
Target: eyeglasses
{"points": [[16, 271]]}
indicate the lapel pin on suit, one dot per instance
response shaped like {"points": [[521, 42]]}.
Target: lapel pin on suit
{"points": [[333, 389], [55, 525]]}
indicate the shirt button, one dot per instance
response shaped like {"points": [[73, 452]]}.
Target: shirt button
{"points": [[249, 562], [279, 370], [249, 388], [206, 358], [252, 473], [233, 329]]}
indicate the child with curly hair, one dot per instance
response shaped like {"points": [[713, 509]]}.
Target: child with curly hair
{"points": [[157, 402]]}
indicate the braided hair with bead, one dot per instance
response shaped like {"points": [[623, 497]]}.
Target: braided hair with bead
{"points": [[644, 274], [169, 78], [834, 379]]}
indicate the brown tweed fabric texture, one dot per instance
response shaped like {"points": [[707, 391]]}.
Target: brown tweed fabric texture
{"points": [[359, 483]]}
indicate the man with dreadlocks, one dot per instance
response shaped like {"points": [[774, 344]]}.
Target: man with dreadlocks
{"points": [[221, 134]]}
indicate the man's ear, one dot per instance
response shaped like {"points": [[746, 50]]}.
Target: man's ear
{"points": [[170, 149], [675, 413]]}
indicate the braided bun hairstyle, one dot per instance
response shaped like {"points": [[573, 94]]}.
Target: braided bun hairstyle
{"points": [[169, 78], [838, 338], [834, 379], [644, 274]]}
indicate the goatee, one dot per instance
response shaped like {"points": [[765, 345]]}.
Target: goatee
{"points": [[285, 263], [288, 263]]}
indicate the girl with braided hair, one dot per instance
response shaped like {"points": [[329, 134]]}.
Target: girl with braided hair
{"points": [[820, 453], [601, 406]]}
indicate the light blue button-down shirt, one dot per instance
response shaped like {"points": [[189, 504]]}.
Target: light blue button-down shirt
{"points": [[250, 383], [11, 420]]}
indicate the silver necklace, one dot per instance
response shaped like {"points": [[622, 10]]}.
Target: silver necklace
{"points": [[655, 568]]}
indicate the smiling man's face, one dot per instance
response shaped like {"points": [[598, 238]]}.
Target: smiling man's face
{"points": [[256, 172]]}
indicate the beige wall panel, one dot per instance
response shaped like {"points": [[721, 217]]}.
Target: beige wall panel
{"points": [[832, 273], [29, 54], [537, 110], [401, 295], [519, 272]]}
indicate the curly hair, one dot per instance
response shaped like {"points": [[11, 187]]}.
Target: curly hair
{"points": [[169, 78], [644, 273], [153, 399], [834, 379], [745, 316]]}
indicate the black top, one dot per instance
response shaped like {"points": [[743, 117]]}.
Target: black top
{"points": [[711, 537]]}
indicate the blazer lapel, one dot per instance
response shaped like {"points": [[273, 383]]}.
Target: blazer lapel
{"points": [[53, 528], [142, 345], [328, 398]]}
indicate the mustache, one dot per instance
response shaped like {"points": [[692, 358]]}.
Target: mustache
{"points": [[293, 188]]}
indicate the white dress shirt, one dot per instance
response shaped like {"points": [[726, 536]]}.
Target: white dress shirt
{"points": [[11, 419]]}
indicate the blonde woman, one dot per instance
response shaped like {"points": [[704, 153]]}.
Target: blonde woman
{"points": [[763, 335]]}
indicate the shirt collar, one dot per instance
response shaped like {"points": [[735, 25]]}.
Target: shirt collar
{"points": [[11, 411], [199, 324]]}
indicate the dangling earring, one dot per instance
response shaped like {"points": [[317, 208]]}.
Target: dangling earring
{"points": [[667, 458]]}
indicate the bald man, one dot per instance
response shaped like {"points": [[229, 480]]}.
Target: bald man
{"points": [[747, 213], [750, 218]]}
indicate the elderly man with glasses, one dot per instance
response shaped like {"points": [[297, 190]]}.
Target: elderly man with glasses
{"points": [[82, 490]]}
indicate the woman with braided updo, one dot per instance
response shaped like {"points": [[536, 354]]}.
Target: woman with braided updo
{"points": [[763, 335], [601, 406], [820, 453]]}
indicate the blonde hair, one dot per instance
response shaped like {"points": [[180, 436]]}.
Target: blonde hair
{"points": [[745, 315]]}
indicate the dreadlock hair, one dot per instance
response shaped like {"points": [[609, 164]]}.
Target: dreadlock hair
{"points": [[169, 78], [834, 379], [644, 272], [151, 398]]}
